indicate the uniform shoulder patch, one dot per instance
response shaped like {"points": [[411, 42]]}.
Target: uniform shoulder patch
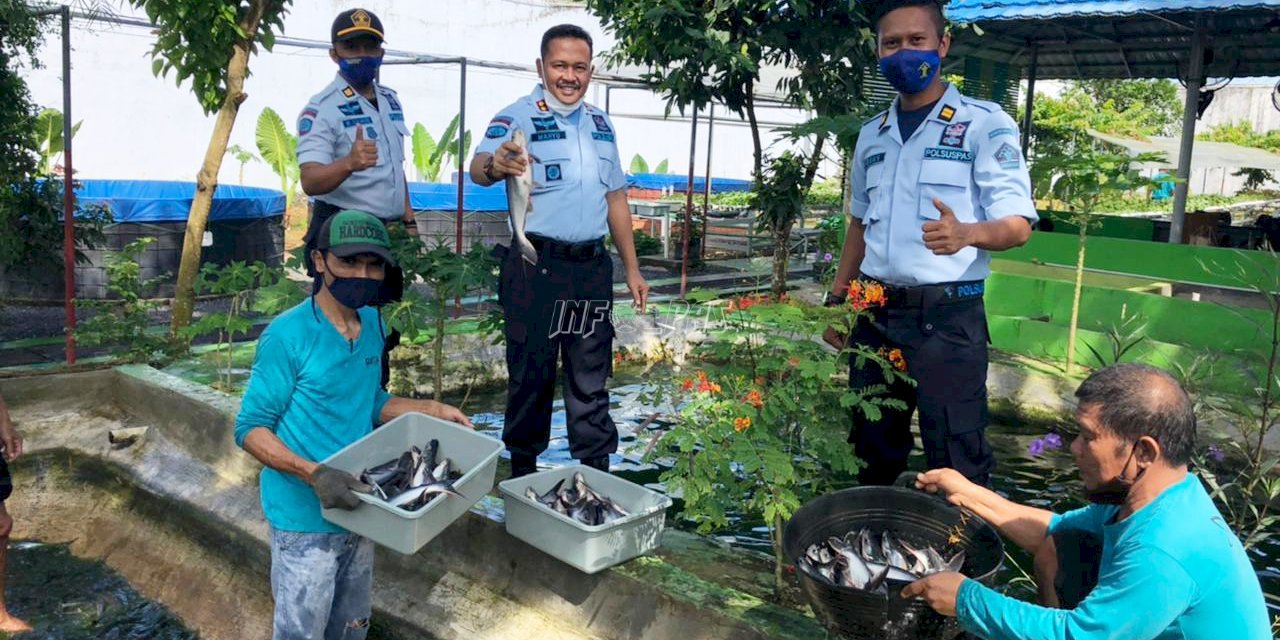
{"points": [[349, 92], [1008, 156], [306, 120]]}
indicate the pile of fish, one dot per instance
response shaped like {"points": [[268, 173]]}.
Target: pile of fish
{"points": [[412, 480], [863, 560], [578, 501]]}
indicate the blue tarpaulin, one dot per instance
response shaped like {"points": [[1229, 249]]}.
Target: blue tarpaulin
{"points": [[980, 10], [681, 182], [163, 201], [443, 196]]}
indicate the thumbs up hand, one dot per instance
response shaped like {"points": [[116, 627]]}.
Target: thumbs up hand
{"points": [[364, 153], [947, 234]]}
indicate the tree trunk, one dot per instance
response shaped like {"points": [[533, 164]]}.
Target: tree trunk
{"points": [[758, 158], [207, 179], [812, 170], [1075, 301]]}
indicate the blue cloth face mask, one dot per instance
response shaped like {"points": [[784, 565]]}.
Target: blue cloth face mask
{"points": [[359, 71], [910, 71]]}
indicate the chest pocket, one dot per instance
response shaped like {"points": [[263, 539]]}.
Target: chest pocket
{"points": [[606, 163], [949, 181], [875, 175]]}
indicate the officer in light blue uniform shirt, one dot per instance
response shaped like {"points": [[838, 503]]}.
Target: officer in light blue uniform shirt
{"points": [[937, 183], [351, 146], [559, 308]]}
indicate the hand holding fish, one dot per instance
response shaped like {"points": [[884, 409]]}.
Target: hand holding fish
{"points": [[510, 160], [336, 488], [639, 289], [940, 591]]}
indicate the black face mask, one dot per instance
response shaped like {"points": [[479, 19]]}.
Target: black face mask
{"points": [[1115, 490], [352, 293]]}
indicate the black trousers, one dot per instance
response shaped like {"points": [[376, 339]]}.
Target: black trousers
{"points": [[559, 310], [392, 286], [944, 343]]}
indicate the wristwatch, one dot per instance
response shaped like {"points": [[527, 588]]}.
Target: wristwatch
{"points": [[488, 170], [830, 299]]}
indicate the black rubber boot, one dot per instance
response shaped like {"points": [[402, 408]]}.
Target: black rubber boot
{"points": [[601, 463], [523, 465]]}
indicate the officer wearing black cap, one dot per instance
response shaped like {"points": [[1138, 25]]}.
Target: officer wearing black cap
{"points": [[351, 143], [937, 184]]}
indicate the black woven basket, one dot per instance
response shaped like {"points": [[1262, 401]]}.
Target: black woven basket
{"points": [[914, 516]]}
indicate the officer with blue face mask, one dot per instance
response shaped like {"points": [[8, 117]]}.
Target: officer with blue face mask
{"points": [[351, 143], [938, 182]]}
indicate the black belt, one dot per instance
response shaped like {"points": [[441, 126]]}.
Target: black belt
{"points": [[575, 251], [930, 294]]}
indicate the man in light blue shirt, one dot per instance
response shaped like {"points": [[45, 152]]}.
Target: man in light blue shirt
{"points": [[1170, 567], [937, 183], [559, 308], [313, 391]]}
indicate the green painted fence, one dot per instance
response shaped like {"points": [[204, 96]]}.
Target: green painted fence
{"points": [[1125, 227], [1174, 262], [1199, 325]]}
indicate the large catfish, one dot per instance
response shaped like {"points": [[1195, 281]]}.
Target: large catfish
{"points": [[520, 199]]}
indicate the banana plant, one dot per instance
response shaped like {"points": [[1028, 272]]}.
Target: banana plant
{"points": [[243, 156], [430, 154], [279, 149], [638, 164], [49, 136], [661, 168]]}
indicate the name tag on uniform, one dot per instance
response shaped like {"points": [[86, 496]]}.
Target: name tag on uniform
{"points": [[940, 153], [351, 122], [603, 137], [872, 160]]}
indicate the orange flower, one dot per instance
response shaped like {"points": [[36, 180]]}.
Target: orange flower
{"points": [[760, 381], [704, 386], [755, 399], [793, 361], [874, 294], [715, 387], [863, 296], [896, 359], [741, 424], [688, 384]]}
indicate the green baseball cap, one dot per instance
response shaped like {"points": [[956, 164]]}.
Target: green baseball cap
{"points": [[349, 233]]}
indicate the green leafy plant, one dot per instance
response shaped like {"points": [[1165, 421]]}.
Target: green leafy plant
{"points": [[431, 154], [638, 164], [49, 125], [125, 322], [761, 409], [1080, 179], [239, 282], [1122, 337], [1241, 474], [447, 276], [279, 148], [646, 244], [780, 199], [661, 168], [242, 156]]}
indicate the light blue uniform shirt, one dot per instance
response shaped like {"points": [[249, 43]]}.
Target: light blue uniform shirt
{"points": [[577, 165], [318, 392], [1171, 571], [966, 154], [326, 129]]}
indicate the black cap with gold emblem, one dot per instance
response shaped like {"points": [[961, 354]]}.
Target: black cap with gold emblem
{"points": [[354, 23]]}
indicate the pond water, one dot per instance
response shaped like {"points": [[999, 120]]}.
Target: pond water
{"points": [[1047, 481], [67, 598]]}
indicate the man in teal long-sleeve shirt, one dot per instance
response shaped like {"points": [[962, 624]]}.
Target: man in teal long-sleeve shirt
{"points": [[1170, 567], [315, 388]]}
